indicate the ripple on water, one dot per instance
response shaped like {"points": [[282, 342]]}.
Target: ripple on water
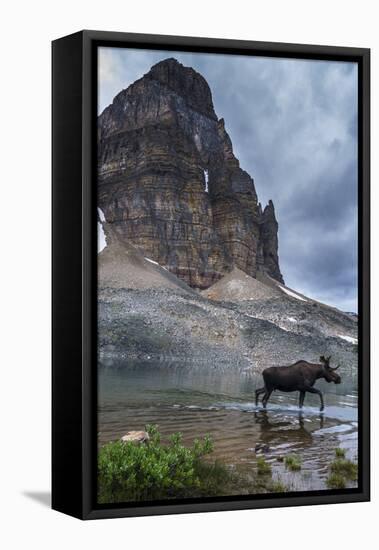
{"points": [[334, 429]]}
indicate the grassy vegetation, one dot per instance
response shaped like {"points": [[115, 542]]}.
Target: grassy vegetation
{"points": [[129, 471], [336, 481], [341, 471], [263, 482], [340, 453], [293, 463], [135, 472], [263, 467], [346, 468], [278, 487]]}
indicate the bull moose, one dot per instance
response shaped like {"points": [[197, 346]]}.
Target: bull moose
{"points": [[300, 377]]}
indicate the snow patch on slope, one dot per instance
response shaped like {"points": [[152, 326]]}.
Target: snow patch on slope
{"points": [[206, 180], [101, 239], [155, 263], [292, 294], [101, 214], [348, 338]]}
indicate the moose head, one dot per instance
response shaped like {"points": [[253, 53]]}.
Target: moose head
{"points": [[329, 372]]}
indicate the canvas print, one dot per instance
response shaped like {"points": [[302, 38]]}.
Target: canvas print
{"points": [[227, 276]]}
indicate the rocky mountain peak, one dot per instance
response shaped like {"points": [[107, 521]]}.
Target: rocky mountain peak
{"points": [[186, 82], [170, 184], [269, 238], [269, 209]]}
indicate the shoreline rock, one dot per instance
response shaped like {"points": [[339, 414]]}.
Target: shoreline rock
{"points": [[135, 437]]}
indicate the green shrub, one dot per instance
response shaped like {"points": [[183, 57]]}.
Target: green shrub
{"points": [[293, 463], [132, 472], [345, 468], [263, 467], [340, 453], [336, 481], [278, 487], [341, 470]]}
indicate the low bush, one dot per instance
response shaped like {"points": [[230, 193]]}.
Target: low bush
{"points": [[263, 467], [345, 468], [133, 472], [341, 470], [340, 453], [278, 487], [293, 463], [336, 481]]}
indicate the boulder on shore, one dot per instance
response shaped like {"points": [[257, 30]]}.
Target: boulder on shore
{"points": [[136, 436]]}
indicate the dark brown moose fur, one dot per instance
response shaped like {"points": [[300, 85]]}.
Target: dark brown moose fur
{"points": [[300, 377]]}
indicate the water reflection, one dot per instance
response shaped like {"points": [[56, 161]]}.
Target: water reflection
{"points": [[295, 430]]}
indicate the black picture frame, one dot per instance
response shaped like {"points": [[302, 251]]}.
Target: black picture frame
{"points": [[74, 111]]}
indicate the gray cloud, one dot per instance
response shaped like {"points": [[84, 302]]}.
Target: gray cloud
{"points": [[293, 124]]}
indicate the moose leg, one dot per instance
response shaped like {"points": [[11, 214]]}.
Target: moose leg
{"points": [[266, 397], [258, 393], [301, 399], [315, 390]]}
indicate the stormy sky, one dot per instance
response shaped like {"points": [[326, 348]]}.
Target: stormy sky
{"points": [[293, 125]]}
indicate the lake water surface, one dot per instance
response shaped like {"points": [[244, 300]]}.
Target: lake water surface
{"points": [[200, 401]]}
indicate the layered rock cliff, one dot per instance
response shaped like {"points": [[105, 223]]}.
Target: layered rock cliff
{"points": [[169, 182]]}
